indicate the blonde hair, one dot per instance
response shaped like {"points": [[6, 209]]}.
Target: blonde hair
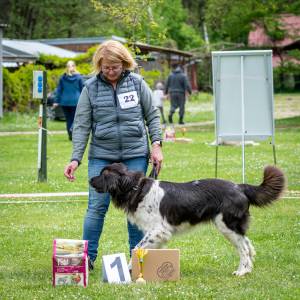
{"points": [[114, 52], [67, 67]]}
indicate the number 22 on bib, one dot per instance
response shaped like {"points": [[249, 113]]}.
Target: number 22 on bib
{"points": [[128, 100]]}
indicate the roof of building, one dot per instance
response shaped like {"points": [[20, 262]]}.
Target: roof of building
{"points": [[35, 48], [15, 55], [82, 40], [101, 39], [289, 23]]}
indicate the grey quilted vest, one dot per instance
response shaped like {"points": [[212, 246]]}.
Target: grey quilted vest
{"points": [[117, 134]]}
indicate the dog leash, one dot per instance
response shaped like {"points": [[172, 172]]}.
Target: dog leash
{"points": [[153, 173]]}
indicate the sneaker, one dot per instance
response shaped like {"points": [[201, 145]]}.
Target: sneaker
{"points": [[91, 264]]}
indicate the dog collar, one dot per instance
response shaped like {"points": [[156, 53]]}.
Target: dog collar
{"points": [[136, 187]]}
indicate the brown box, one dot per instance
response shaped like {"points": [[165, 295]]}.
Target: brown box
{"points": [[158, 265]]}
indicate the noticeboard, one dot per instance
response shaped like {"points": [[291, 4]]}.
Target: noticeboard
{"points": [[243, 94]]}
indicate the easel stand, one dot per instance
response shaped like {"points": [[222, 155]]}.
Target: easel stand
{"points": [[243, 159], [243, 94]]}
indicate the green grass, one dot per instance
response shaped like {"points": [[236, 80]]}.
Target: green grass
{"points": [[207, 259], [199, 108], [19, 161], [12, 121]]}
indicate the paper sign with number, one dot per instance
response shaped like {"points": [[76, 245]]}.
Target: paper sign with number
{"points": [[128, 100], [115, 268]]}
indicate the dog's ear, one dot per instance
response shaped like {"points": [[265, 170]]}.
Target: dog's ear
{"points": [[111, 181], [129, 180]]}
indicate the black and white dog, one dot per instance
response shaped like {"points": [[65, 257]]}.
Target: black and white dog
{"points": [[161, 209]]}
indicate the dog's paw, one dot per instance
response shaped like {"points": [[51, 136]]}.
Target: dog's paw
{"points": [[252, 254], [241, 272]]}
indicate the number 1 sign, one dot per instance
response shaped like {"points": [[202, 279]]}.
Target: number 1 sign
{"points": [[115, 269]]}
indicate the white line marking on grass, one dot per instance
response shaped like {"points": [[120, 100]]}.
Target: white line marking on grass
{"points": [[11, 133], [41, 195], [40, 201]]}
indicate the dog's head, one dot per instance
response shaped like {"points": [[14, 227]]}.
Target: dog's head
{"points": [[115, 179]]}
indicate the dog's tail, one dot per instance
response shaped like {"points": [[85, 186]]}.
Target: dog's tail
{"points": [[270, 190]]}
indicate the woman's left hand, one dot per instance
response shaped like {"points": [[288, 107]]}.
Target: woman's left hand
{"points": [[156, 157]]}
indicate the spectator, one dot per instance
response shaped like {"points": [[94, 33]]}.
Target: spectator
{"points": [[115, 107], [177, 86], [158, 96], [68, 91]]}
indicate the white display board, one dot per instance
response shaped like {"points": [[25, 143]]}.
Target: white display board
{"points": [[243, 94]]}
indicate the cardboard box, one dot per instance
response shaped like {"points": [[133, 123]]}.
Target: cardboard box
{"points": [[70, 262], [158, 265]]}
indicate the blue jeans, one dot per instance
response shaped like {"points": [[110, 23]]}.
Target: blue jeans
{"points": [[99, 203], [69, 112]]}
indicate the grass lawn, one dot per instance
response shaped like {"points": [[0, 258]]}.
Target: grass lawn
{"points": [[198, 109], [207, 259]]}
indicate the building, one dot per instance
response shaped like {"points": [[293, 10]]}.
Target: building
{"points": [[18, 52], [156, 56], [258, 38]]}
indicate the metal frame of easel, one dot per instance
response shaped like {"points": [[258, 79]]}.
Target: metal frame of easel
{"points": [[216, 88]]}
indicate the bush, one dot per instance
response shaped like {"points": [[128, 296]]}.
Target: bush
{"points": [[286, 78], [17, 84], [17, 88]]}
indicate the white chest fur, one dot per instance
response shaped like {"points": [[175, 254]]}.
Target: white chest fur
{"points": [[147, 214]]}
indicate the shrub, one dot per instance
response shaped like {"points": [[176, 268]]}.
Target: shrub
{"points": [[17, 84], [287, 77]]}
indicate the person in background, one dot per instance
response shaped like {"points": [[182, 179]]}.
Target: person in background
{"points": [[177, 86], [115, 107], [158, 97], [68, 91]]}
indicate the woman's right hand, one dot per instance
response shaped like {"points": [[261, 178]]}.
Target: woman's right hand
{"points": [[70, 170]]}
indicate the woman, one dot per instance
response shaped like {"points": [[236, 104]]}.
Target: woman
{"points": [[114, 107], [68, 91]]}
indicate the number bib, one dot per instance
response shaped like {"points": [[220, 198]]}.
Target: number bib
{"points": [[128, 100]]}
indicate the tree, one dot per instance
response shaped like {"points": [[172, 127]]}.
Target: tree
{"points": [[159, 22], [34, 19], [232, 20]]}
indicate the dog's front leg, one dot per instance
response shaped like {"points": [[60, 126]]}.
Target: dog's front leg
{"points": [[153, 239], [147, 242]]}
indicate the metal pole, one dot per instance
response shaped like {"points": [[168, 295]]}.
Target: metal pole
{"points": [[1, 74], [274, 155], [243, 116], [42, 156], [216, 163]]}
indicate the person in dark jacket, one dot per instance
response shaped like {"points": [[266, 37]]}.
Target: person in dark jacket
{"points": [[67, 94], [115, 107], [177, 86]]}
